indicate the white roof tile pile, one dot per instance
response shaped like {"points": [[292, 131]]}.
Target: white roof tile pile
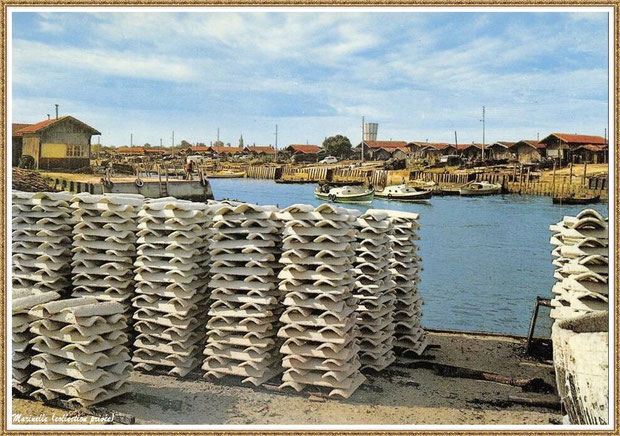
{"points": [[24, 299], [582, 265], [320, 326], [244, 316], [405, 268], [104, 238], [374, 289], [41, 241], [82, 353], [171, 285]]}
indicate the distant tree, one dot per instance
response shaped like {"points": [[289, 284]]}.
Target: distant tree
{"points": [[185, 144], [146, 144], [337, 146]]}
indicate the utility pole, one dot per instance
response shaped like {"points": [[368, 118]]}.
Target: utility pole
{"points": [[131, 140], [161, 142], [456, 142], [56, 111], [483, 131], [276, 143], [172, 149], [362, 139], [218, 134]]}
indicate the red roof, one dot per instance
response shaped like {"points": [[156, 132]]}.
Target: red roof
{"points": [[156, 150], [34, 128], [438, 145], [130, 150], [261, 149], [532, 143], [504, 144], [226, 150], [593, 147], [385, 144], [16, 127], [305, 149], [200, 148], [578, 139]]}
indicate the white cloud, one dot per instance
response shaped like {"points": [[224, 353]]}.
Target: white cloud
{"points": [[102, 61]]}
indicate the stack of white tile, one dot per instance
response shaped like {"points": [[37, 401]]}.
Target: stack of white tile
{"points": [[24, 299], [320, 329], [244, 315], [405, 268], [82, 353], [374, 289], [171, 285], [104, 251], [582, 260], [41, 241]]}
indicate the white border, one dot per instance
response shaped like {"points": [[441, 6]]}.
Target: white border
{"points": [[309, 9]]}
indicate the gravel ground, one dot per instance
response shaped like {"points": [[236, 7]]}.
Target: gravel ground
{"points": [[397, 396]]}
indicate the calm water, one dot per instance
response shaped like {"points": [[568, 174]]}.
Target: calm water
{"points": [[485, 259]]}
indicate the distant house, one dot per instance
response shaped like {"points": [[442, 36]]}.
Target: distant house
{"points": [[433, 151], [226, 151], [258, 151], [59, 143], [18, 141], [591, 153], [470, 151], [501, 150], [304, 153], [200, 149], [563, 145], [383, 150], [529, 151], [130, 151]]}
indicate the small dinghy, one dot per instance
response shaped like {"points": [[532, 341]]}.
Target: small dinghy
{"points": [[404, 193], [577, 199], [480, 188], [345, 194]]}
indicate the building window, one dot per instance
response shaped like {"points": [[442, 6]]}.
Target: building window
{"points": [[76, 151]]}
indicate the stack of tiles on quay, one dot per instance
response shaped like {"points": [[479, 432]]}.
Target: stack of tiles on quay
{"points": [[320, 329], [171, 285], [41, 241], [374, 289], [104, 250], [24, 299], [582, 265], [244, 315], [82, 354], [405, 269]]}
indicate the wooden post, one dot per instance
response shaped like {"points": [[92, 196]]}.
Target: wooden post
{"points": [[570, 176], [520, 178], [585, 169], [553, 180], [527, 183]]}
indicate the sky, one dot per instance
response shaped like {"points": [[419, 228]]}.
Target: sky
{"points": [[419, 75]]}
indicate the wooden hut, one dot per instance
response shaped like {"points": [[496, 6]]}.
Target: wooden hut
{"points": [[58, 143]]}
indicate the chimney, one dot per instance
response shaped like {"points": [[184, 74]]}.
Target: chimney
{"points": [[56, 111], [48, 116]]}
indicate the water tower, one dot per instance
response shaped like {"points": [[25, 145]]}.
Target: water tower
{"points": [[370, 131]]}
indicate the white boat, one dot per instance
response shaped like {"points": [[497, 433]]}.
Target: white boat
{"points": [[480, 188], [345, 194], [404, 193]]}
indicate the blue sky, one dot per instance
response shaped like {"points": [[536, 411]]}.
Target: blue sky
{"points": [[315, 74]]}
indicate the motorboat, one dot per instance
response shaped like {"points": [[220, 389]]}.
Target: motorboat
{"points": [[480, 188], [345, 194], [404, 193]]}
